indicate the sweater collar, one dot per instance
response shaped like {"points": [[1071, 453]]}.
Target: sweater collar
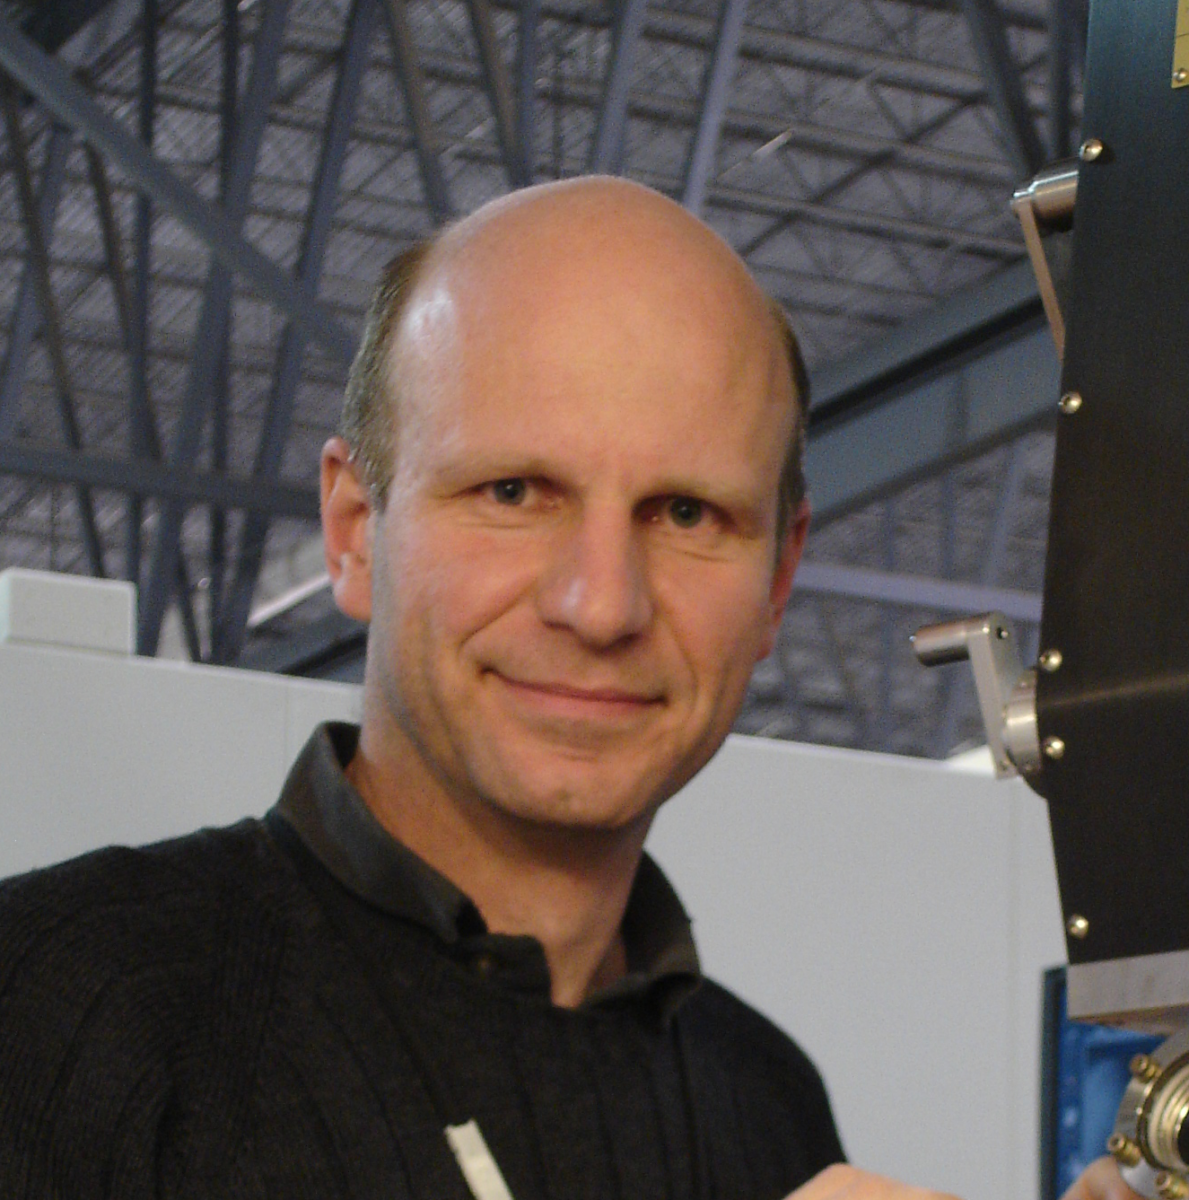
{"points": [[336, 826]]}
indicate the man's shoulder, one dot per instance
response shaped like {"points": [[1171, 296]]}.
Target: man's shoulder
{"points": [[135, 984], [113, 905]]}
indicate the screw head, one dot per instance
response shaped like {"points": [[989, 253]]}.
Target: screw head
{"points": [[1051, 660], [1180, 75], [1123, 1150], [1070, 403], [1054, 748], [1143, 1068], [1077, 926], [1091, 150]]}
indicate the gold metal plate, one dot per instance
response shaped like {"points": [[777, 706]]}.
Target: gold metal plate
{"points": [[1180, 52]]}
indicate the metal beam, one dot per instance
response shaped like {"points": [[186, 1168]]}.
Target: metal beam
{"points": [[798, 51], [977, 371], [126, 316], [988, 32], [39, 262], [425, 140], [26, 314], [221, 400], [715, 92], [526, 82], [62, 96], [211, 334], [915, 591], [34, 460], [499, 90], [326, 648], [279, 412], [141, 429], [606, 148]]}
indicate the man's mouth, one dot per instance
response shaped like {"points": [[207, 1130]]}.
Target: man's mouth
{"points": [[580, 700]]}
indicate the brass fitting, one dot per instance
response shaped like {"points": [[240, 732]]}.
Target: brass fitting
{"points": [[1124, 1151], [1170, 1186], [1145, 1069]]}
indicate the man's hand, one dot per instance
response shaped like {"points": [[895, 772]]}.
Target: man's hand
{"points": [[1100, 1181], [842, 1182]]}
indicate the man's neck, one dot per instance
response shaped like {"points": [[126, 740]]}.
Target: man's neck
{"points": [[567, 888]]}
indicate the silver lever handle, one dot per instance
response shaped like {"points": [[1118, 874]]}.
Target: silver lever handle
{"points": [[1006, 692]]}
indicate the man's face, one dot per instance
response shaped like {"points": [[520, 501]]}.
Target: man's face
{"points": [[575, 570]]}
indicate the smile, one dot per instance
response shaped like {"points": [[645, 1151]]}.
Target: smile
{"points": [[580, 702]]}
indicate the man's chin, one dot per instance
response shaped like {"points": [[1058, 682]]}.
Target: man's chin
{"points": [[576, 800]]}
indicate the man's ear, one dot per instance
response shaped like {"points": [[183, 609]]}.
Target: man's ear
{"points": [[782, 577], [347, 530]]}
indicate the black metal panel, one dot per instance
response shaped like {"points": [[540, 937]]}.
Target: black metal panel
{"points": [[1117, 579]]}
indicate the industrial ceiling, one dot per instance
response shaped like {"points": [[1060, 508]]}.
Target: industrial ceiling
{"points": [[195, 198]]}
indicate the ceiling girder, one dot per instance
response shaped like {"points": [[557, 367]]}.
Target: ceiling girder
{"points": [[26, 316], [526, 83], [62, 96], [279, 413], [606, 148], [143, 440], [975, 371], [214, 316], [52, 464], [498, 82], [798, 51], [425, 140], [39, 264], [715, 94], [915, 591], [988, 32]]}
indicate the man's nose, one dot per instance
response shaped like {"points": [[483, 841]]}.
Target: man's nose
{"points": [[596, 582]]}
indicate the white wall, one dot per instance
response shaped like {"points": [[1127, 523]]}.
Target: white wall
{"points": [[892, 914]]}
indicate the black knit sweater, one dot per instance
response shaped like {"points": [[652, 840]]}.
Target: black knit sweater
{"points": [[191, 1020]]}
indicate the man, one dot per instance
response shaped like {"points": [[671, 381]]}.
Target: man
{"points": [[569, 505]]}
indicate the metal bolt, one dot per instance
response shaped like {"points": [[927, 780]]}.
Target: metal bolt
{"points": [[1070, 403], [1091, 149], [1124, 1150], [1169, 1186], [1002, 633], [1180, 75], [1054, 748], [1144, 1069], [1077, 926], [1051, 660]]}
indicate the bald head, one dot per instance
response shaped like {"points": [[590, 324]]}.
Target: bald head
{"points": [[633, 271]]}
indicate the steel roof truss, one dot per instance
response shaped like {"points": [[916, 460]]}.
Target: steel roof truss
{"points": [[39, 263], [606, 147], [279, 414], [26, 314], [209, 338], [988, 32], [715, 94], [425, 140]]}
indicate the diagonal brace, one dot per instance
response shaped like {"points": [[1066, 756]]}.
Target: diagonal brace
{"points": [[988, 32]]}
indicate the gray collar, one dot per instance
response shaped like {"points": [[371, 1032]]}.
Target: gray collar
{"points": [[336, 826]]}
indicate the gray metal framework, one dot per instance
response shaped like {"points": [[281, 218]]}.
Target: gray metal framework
{"points": [[200, 193]]}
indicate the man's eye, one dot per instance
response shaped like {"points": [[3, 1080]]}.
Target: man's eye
{"points": [[685, 512], [509, 491]]}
